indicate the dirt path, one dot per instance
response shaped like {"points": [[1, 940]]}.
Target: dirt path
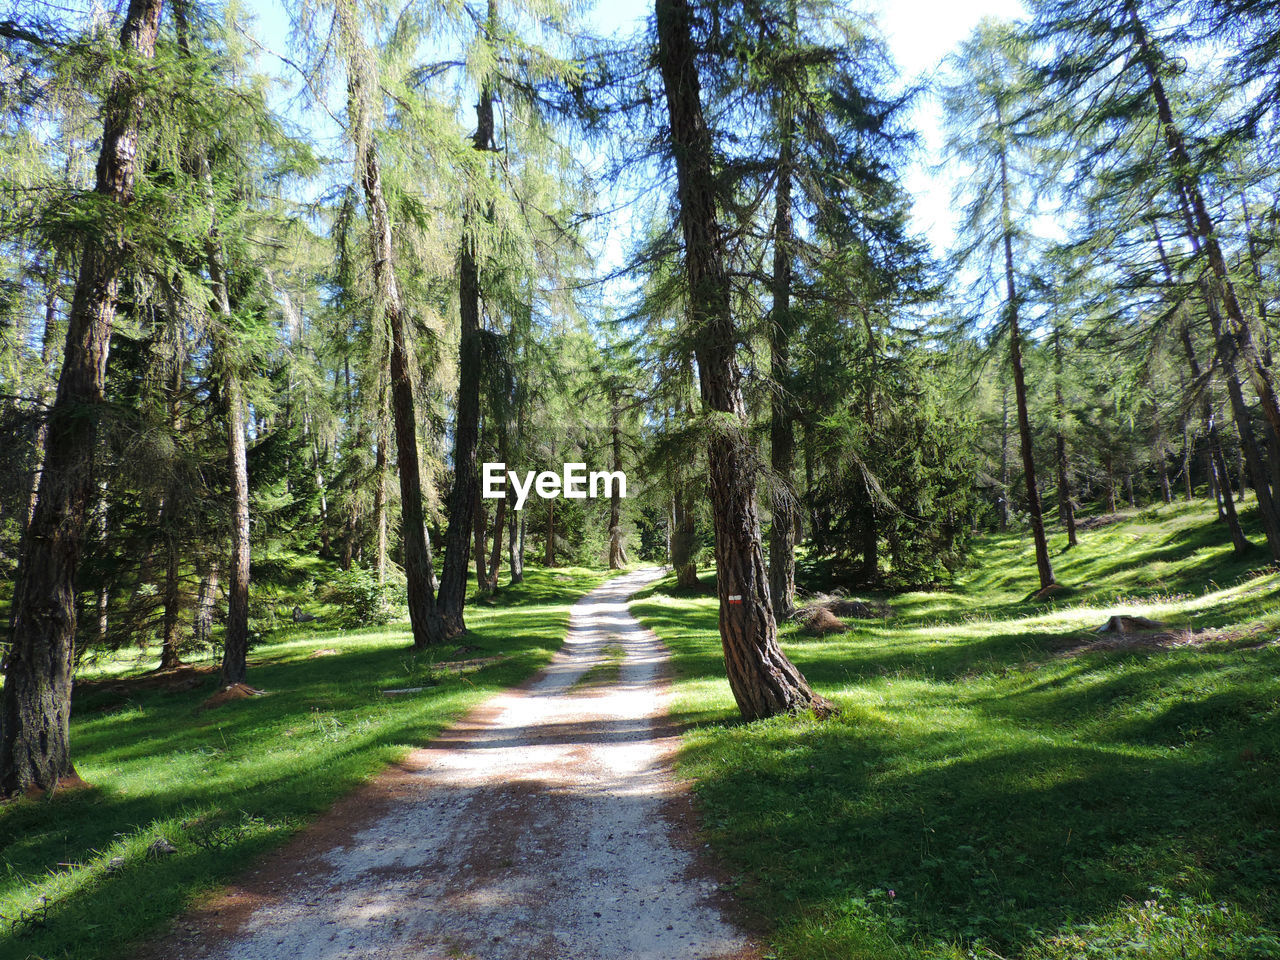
{"points": [[544, 826]]}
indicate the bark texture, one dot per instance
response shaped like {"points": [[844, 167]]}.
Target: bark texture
{"points": [[466, 437], [35, 705], [763, 680]]}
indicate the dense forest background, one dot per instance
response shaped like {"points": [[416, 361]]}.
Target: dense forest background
{"points": [[241, 358]]}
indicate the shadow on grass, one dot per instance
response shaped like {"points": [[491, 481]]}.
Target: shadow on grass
{"points": [[1017, 803], [261, 767]]}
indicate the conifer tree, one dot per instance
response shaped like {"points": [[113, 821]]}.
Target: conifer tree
{"points": [[35, 705]]}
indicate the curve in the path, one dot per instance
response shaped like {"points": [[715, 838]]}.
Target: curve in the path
{"points": [[534, 829]]}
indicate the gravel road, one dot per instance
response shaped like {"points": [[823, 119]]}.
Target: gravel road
{"points": [[544, 826]]}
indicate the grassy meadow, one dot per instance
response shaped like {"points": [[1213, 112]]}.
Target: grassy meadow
{"points": [[998, 785], [225, 784]]}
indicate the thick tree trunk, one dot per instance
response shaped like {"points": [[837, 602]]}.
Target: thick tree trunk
{"points": [[419, 574], [35, 705], [763, 680], [1043, 564]]}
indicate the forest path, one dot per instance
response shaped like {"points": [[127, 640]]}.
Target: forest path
{"points": [[546, 825]]}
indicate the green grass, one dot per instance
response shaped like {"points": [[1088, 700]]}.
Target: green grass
{"points": [[983, 794], [605, 673], [224, 785]]}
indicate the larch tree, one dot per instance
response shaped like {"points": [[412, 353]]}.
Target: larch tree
{"points": [[35, 707], [763, 680], [984, 120]]}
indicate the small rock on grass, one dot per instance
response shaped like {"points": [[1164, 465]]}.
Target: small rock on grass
{"points": [[160, 847]]}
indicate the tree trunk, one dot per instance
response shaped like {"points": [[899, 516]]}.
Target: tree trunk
{"points": [[1217, 465], [466, 435], [683, 533], [35, 705], [1202, 229], [1004, 457], [1066, 507], [617, 550], [48, 341], [419, 575], [1112, 507], [1242, 470], [380, 458], [236, 637], [549, 559], [1188, 486], [764, 682], [480, 527], [515, 518], [1043, 565], [169, 512], [1225, 345], [169, 655], [870, 537], [235, 649], [206, 604], [495, 555]]}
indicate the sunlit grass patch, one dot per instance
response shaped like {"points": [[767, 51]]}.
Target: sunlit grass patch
{"points": [[994, 786], [225, 784]]}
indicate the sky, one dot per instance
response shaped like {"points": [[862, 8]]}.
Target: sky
{"points": [[920, 34]]}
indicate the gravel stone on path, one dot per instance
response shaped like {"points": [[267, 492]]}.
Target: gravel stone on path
{"points": [[537, 828]]}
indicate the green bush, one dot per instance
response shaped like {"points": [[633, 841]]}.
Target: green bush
{"points": [[361, 600]]}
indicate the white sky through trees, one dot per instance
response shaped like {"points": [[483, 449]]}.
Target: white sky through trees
{"points": [[920, 34]]}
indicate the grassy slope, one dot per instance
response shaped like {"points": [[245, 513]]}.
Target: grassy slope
{"points": [[241, 777], [984, 793]]}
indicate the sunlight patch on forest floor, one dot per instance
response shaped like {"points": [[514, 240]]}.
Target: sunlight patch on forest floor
{"points": [[983, 795]]}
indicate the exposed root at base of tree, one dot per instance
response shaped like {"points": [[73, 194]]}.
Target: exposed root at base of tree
{"points": [[1048, 593], [236, 691], [68, 782], [823, 709]]}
